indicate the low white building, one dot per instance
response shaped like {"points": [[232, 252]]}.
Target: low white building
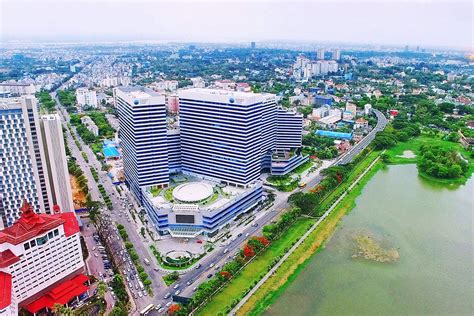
{"points": [[86, 97], [89, 123], [37, 254]]}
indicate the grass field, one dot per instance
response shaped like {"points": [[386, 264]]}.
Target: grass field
{"points": [[276, 285], [255, 269], [395, 153]]}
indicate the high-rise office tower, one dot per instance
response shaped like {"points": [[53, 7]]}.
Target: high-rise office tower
{"points": [[336, 54], [320, 54], [288, 131], [253, 45], [22, 169], [222, 133], [143, 132], [56, 162]]}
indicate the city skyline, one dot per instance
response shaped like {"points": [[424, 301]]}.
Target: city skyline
{"points": [[422, 23]]}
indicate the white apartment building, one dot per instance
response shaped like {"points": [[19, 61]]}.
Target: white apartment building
{"points": [[115, 81], [90, 125], [198, 82], [17, 89], [38, 253], [22, 168], [33, 164], [86, 97], [54, 148]]}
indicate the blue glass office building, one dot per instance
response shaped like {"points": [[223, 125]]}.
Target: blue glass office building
{"points": [[143, 134]]}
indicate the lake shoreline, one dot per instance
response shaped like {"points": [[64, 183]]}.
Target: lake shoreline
{"points": [[285, 275]]}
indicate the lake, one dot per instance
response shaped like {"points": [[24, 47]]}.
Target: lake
{"points": [[405, 249]]}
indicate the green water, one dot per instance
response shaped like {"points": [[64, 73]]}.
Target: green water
{"points": [[430, 225]]}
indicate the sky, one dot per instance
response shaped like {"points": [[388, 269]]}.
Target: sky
{"points": [[424, 23]]}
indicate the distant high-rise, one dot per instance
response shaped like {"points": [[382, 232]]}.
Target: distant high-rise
{"points": [[253, 45], [56, 162], [143, 132], [321, 53], [336, 54], [406, 48]]}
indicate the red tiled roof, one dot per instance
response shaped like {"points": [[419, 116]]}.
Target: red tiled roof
{"points": [[29, 225], [70, 223], [7, 258], [61, 294], [5, 290]]}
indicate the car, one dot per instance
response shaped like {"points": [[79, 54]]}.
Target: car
{"points": [[140, 294], [246, 235], [137, 286], [127, 278], [134, 295], [130, 285], [195, 289], [167, 295], [189, 282], [226, 250], [156, 269], [145, 293], [176, 286], [177, 292], [161, 310], [211, 265], [169, 304], [157, 307], [93, 248], [198, 266], [239, 234], [217, 267], [255, 224], [96, 255], [132, 277], [199, 241], [209, 276]]}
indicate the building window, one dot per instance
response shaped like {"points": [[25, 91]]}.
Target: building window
{"points": [[27, 246], [42, 240]]}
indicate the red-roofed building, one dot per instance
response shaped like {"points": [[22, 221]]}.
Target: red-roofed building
{"points": [[38, 252]]}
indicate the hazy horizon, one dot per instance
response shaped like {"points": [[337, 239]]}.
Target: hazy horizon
{"points": [[395, 23]]}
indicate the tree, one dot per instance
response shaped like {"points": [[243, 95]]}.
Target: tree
{"points": [[384, 140], [248, 251], [307, 202], [101, 289], [173, 309]]}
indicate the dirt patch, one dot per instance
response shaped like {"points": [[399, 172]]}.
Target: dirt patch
{"points": [[407, 154], [78, 197], [369, 248]]}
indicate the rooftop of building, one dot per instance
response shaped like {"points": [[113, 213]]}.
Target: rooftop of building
{"points": [[31, 224], [138, 92], [193, 194]]}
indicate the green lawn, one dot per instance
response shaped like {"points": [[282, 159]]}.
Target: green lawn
{"points": [[414, 145], [304, 167], [255, 269]]}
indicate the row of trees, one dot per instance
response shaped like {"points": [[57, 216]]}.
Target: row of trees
{"points": [[441, 163], [135, 258], [322, 147], [47, 103], [309, 202], [253, 247]]}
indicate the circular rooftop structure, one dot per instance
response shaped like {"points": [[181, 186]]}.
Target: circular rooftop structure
{"points": [[192, 192]]}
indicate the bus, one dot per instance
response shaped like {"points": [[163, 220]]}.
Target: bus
{"points": [[147, 309]]}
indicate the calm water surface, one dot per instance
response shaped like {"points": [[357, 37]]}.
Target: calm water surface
{"points": [[430, 225]]}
